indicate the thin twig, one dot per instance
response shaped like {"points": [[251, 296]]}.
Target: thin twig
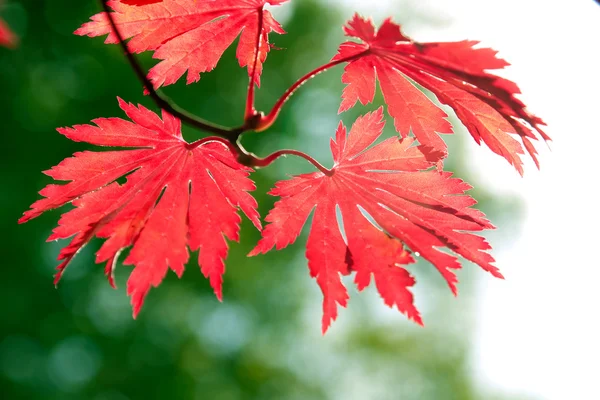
{"points": [[251, 160], [265, 162]]}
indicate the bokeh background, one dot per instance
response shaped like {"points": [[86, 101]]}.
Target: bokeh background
{"points": [[533, 336]]}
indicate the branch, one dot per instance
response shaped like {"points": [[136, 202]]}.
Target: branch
{"points": [[162, 101], [267, 121], [252, 120]]}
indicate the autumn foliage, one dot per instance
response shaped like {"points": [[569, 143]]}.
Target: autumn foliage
{"points": [[380, 204]]}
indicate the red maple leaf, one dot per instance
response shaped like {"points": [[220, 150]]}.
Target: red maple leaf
{"points": [[425, 210], [455, 72], [177, 194], [7, 37], [191, 36]]}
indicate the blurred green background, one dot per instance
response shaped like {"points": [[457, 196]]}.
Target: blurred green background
{"points": [[263, 342]]}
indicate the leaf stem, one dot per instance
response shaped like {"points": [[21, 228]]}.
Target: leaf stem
{"points": [[162, 101], [265, 162], [250, 113], [268, 120], [251, 160]]}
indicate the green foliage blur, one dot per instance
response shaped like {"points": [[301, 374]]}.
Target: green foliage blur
{"points": [[263, 342]]}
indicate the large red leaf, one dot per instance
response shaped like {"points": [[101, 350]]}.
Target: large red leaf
{"points": [[7, 37], [456, 72], [176, 195], [426, 210], [191, 35]]}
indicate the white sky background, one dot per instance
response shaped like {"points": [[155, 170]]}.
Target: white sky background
{"points": [[539, 331]]}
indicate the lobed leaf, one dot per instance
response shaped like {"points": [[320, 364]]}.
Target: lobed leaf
{"points": [[391, 184], [177, 195], [456, 72], [190, 35]]}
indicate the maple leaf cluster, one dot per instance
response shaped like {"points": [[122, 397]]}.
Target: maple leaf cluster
{"points": [[377, 206]]}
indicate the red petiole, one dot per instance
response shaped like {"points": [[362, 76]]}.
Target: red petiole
{"points": [[268, 120]]}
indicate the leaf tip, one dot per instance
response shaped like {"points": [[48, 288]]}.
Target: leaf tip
{"points": [[496, 273], [454, 290], [122, 103], [325, 324], [137, 301], [418, 319], [219, 292], [59, 272]]}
